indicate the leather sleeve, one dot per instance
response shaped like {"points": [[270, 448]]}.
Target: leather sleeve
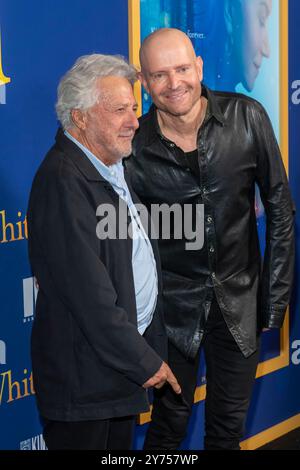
{"points": [[278, 266]]}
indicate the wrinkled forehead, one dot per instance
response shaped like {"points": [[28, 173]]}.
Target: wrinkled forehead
{"points": [[113, 84], [114, 89]]}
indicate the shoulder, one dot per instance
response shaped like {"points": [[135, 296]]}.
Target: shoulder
{"points": [[239, 100], [56, 174]]}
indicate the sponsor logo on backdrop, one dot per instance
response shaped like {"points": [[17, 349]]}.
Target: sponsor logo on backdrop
{"points": [[2, 352], [33, 443], [13, 231], [296, 353], [296, 93], [30, 291], [195, 34], [3, 78], [13, 389]]}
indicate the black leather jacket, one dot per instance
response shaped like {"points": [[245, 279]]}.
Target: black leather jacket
{"points": [[236, 149]]}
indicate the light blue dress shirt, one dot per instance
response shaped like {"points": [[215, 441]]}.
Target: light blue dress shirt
{"points": [[143, 261]]}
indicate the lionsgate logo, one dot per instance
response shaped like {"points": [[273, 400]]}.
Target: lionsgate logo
{"points": [[34, 443], [30, 290], [2, 353], [162, 221]]}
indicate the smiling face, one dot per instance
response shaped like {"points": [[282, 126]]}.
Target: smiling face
{"points": [[171, 73], [108, 127], [250, 38]]}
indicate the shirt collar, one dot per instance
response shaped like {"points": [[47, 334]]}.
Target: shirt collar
{"points": [[110, 173], [213, 108]]}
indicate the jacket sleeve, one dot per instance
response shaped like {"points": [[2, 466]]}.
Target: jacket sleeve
{"points": [[278, 266], [62, 222]]}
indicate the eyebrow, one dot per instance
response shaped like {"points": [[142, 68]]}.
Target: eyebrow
{"points": [[124, 105], [175, 67]]}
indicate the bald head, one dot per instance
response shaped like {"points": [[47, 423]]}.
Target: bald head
{"points": [[170, 71], [160, 41]]}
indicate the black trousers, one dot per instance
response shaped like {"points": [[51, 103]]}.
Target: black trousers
{"points": [[107, 434], [229, 377]]}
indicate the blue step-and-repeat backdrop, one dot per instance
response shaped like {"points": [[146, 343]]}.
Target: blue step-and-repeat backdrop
{"points": [[39, 41]]}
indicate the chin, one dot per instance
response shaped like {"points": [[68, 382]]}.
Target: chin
{"points": [[179, 110], [249, 82], [126, 152]]}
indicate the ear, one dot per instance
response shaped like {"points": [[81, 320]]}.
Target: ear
{"points": [[228, 16], [199, 65], [78, 118], [143, 81]]}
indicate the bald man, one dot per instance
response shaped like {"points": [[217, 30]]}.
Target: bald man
{"points": [[198, 147]]}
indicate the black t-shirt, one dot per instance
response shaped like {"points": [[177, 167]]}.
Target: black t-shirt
{"points": [[191, 159]]}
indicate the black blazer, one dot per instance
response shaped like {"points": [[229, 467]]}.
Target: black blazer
{"points": [[89, 361]]}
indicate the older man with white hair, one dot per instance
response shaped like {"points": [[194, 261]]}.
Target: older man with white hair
{"points": [[98, 341]]}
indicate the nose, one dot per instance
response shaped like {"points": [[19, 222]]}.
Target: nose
{"points": [[133, 120], [266, 46], [172, 80]]}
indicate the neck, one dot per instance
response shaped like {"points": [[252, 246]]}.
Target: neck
{"points": [[82, 138]]}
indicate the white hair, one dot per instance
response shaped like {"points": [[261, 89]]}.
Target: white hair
{"points": [[77, 88]]}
